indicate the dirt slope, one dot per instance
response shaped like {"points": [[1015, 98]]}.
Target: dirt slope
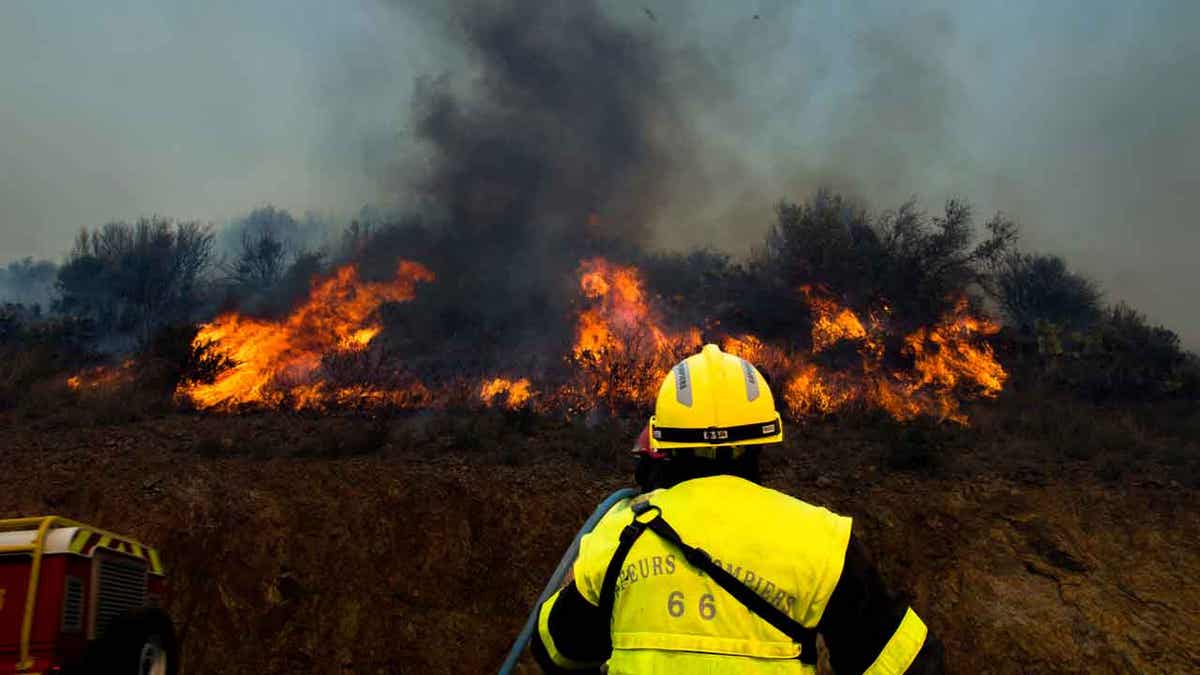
{"points": [[391, 562]]}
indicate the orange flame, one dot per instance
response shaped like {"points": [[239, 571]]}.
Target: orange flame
{"points": [[947, 359], [812, 391], [277, 359], [102, 377], [950, 362], [620, 311], [831, 322], [621, 351], [514, 393]]}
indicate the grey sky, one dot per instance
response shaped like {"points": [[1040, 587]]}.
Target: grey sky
{"points": [[1079, 119]]}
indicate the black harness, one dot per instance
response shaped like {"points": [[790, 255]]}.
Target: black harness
{"points": [[699, 558]]}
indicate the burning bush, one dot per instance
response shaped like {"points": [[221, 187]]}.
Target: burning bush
{"points": [[622, 349], [919, 265], [843, 311], [324, 355], [278, 361], [512, 394]]}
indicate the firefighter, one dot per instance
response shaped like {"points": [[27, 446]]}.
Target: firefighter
{"points": [[709, 572]]}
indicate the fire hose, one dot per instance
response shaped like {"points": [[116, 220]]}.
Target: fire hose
{"points": [[556, 579]]}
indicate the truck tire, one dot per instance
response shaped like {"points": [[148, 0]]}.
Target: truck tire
{"points": [[138, 643]]}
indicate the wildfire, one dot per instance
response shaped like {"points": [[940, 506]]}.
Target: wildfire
{"points": [[277, 360], [831, 322], [811, 390], [619, 314], [513, 393], [622, 349], [946, 356], [950, 361]]}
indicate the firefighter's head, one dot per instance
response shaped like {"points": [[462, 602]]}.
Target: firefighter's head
{"points": [[713, 411]]}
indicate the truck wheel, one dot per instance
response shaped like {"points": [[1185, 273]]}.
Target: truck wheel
{"points": [[137, 643]]}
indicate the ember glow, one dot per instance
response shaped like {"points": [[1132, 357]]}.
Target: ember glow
{"points": [[623, 346], [102, 377]]}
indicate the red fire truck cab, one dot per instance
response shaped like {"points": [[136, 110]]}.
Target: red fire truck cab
{"points": [[77, 599]]}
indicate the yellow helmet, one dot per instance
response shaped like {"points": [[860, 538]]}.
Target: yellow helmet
{"points": [[713, 399]]}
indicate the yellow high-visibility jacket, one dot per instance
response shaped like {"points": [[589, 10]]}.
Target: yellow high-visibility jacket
{"points": [[669, 617]]}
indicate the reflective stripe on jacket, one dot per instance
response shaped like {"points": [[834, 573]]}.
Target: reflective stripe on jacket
{"points": [[669, 617]]}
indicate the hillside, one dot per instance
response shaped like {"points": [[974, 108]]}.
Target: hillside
{"points": [[356, 314], [345, 544]]}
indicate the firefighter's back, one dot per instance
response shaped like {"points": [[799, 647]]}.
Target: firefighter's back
{"points": [[669, 617]]}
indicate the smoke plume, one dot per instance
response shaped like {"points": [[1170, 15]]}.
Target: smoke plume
{"points": [[675, 123], [556, 145]]}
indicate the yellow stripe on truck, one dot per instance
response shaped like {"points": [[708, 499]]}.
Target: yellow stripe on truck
{"points": [[80, 540], [155, 563]]}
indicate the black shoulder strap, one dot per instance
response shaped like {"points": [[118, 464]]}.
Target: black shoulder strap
{"points": [[699, 558], [608, 589]]}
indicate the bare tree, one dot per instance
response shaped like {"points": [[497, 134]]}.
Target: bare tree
{"points": [[261, 262], [135, 278]]}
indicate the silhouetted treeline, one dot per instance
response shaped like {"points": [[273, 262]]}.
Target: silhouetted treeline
{"points": [[268, 258], [127, 284], [1033, 289], [135, 278], [28, 282]]}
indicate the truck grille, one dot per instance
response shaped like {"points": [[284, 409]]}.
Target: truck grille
{"points": [[122, 587], [72, 609]]}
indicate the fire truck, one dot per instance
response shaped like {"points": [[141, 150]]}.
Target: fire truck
{"points": [[78, 599]]}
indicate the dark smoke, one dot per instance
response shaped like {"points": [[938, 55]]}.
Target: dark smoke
{"points": [[560, 126], [1078, 119], [554, 150], [28, 282]]}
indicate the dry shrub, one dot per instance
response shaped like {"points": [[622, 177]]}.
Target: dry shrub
{"points": [[32, 352]]}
